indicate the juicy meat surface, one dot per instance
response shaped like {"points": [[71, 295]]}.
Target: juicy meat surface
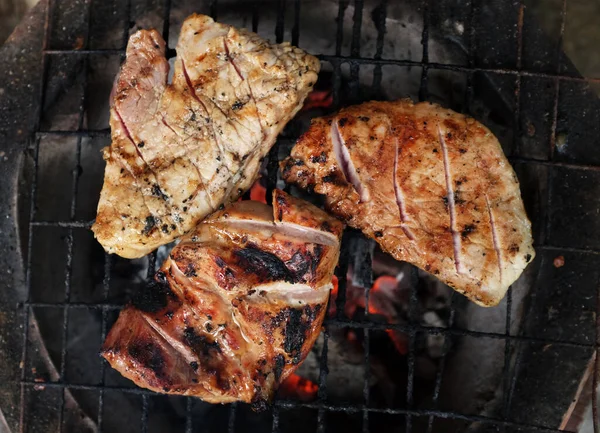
{"points": [[180, 150], [235, 308], [432, 186]]}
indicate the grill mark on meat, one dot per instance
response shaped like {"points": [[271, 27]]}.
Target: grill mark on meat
{"points": [[153, 297], [149, 355], [129, 136], [193, 91], [342, 155], [495, 239], [137, 149], [202, 181], [198, 315], [400, 196], [237, 70], [451, 204], [126, 166]]}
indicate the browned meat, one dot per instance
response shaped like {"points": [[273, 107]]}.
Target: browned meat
{"points": [[236, 307], [180, 150], [432, 186]]}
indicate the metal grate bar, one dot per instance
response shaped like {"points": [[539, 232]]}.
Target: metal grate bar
{"points": [[342, 276], [37, 118], [65, 324], [108, 260], [380, 24], [595, 414], [334, 60], [455, 68], [213, 9], [104, 325], [380, 61], [286, 404], [355, 48], [28, 310], [454, 332], [412, 334], [346, 323], [563, 18], [367, 349], [517, 117], [255, 17], [508, 380], [63, 224], [166, 21], [322, 392], [423, 92], [189, 425], [69, 239], [144, 420], [296, 28], [471, 68], [280, 25], [232, 413], [75, 305], [275, 425], [99, 51], [383, 62], [507, 352], [79, 133], [442, 365]]}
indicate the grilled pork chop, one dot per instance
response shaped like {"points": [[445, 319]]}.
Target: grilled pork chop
{"points": [[432, 186], [180, 150], [236, 307]]}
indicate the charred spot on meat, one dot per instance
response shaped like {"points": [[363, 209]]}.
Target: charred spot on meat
{"points": [[267, 266], [230, 316], [148, 354], [150, 224], [153, 297]]}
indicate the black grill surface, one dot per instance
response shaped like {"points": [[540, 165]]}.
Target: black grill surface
{"points": [[61, 293]]}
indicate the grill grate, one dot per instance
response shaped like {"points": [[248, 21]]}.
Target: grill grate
{"points": [[412, 328]]}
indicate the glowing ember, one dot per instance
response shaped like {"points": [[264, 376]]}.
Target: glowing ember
{"points": [[258, 192], [318, 99], [382, 299], [299, 388]]}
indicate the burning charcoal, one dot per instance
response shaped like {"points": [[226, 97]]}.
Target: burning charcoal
{"points": [[296, 387]]}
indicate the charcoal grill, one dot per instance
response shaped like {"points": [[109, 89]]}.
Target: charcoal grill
{"points": [[60, 292]]}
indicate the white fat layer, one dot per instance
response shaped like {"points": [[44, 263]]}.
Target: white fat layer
{"points": [[290, 293], [295, 231]]}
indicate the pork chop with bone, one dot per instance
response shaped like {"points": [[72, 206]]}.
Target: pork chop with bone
{"points": [[432, 186], [181, 150]]}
